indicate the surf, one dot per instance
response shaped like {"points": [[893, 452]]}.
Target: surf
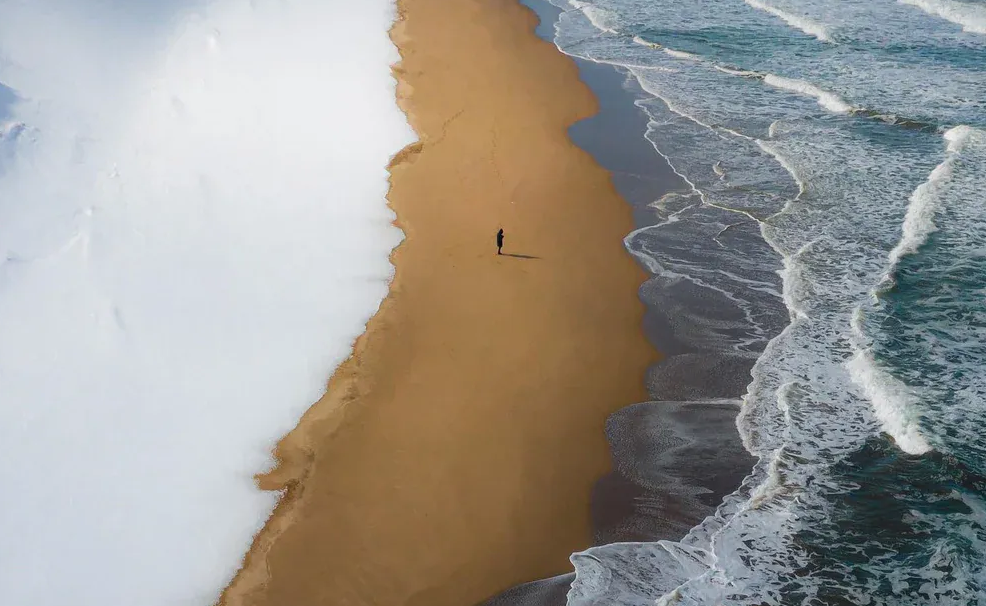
{"points": [[806, 25], [970, 17]]}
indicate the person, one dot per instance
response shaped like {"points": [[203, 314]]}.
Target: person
{"points": [[499, 242]]}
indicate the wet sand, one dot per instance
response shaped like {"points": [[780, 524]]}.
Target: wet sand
{"points": [[455, 452], [676, 456]]}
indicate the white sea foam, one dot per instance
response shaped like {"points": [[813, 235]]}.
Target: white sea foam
{"points": [[774, 483], [669, 51], [959, 137], [829, 101], [808, 26], [971, 17], [677, 54], [784, 162], [919, 221], [736, 72], [719, 170], [190, 240], [893, 402], [804, 401], [602, 19]]}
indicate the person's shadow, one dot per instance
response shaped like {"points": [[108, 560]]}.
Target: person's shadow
{"points": [[519, 256]]}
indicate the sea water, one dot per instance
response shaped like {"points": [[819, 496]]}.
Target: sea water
{"points": [[834, 155], [193, 231]]}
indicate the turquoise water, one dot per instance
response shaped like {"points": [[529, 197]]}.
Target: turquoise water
{"points": [[850, 138]]}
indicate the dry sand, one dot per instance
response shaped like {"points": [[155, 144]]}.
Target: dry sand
{"points": [[454, 453]]}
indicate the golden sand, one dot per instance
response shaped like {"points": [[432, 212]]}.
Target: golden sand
{"points": [[454, 452]]}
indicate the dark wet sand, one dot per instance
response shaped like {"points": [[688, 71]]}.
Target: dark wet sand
{"points": [[677, 456]]}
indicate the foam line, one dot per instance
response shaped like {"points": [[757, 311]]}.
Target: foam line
{"points": [[808, 26], [919, 221], [972, 18], [829, 101]]}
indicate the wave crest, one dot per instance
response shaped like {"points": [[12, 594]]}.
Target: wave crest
{"points": [[970, 17], [919, 221], [830, 101], [808, 26], [892, 402]]}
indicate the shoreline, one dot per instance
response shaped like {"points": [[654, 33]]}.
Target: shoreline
{"points": [[687, 374], [390, 434], [677, 455], [756, 285]]}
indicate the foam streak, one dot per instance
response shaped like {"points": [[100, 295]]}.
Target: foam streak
{"points": [[812, 28], [970, 17]]}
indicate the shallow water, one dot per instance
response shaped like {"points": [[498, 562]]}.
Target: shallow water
{"points": [[833, 155]]}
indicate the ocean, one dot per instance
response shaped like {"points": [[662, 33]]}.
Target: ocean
{"points": [[829, 236]]}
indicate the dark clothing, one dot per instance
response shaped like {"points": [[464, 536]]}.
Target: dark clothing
{"points": [[499, 241]]}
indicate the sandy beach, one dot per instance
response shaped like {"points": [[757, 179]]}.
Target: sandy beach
{"points": [[454, 453]]}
